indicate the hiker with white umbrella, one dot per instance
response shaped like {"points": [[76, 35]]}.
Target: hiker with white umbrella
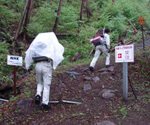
{"points": [[47, 53]]}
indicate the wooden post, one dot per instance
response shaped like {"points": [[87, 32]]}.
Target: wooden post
{"points": [[14, 81]]}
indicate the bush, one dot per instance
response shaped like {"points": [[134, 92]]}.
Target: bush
{"points": [[4, 68]]}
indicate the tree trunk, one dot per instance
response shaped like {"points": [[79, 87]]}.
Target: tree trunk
{"points": [[88, 9], [113, 2], [57, 18], [27, 17], [21, 19], [148, 3], [82, 4]]}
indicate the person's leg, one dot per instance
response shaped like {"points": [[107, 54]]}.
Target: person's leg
{"points": [[96, 55], [39, 80], [107, 63], [47, 76], [105, 51]]}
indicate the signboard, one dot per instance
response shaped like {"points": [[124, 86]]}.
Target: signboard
{"points": [[141, 20], [14, 60], [124, 53]]}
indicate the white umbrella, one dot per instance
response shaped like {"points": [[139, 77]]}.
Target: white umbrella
{"points": [[45, 44]]}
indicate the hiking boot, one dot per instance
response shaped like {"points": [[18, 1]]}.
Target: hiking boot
{"points": [[37, 99], [91, 68], [45, 107], [107, 66]]}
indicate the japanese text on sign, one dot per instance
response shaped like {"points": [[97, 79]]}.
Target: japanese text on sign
{"points": [[14, 60], [124, 53]]}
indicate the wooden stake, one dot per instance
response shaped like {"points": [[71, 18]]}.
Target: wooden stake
{"points": [[14, 81]]}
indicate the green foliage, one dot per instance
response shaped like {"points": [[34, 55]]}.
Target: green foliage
{"points": [[42, 22], [6, 20], [27, 92], [9, 8], [68, 20], [4, 68], [144, 65], [123, 112], [16, 5]]}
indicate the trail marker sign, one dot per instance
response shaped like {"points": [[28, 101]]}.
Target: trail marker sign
{"points": [[124, 53], [14, 60], [141, 20]]}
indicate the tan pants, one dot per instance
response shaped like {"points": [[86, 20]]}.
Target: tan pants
{"points": [[98, 51], [43, 77]]}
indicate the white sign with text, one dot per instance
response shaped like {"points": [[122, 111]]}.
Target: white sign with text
{"points": [[14, 60], [124, 53]]}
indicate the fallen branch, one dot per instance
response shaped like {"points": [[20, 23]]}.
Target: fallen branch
{"points": [[135, 30]]}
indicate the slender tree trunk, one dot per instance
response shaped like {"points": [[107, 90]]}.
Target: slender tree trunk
{"points": [[148, 3], [21, 19], [82, 5], [27, 17], [57, 18], [88, 9], [113, 2]]}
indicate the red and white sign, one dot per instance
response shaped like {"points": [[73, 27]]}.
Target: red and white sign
{"points": [[124, 53]]}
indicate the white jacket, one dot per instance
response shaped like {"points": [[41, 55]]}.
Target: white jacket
{"points": [[107, 40]]}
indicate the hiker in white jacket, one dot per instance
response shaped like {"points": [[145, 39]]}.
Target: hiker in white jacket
{"points": [[46, 52], [102, 48]]}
